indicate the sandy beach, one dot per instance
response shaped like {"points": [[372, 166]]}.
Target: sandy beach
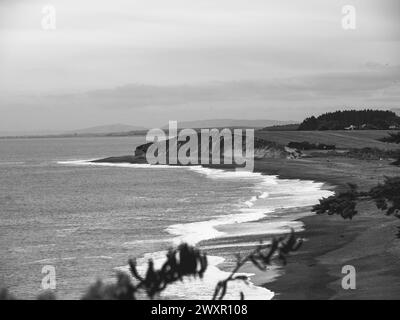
{"points": [[368, 242]]}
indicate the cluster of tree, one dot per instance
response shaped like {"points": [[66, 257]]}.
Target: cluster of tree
{"points": [[182, 262], [305, 145], [355, 119]]}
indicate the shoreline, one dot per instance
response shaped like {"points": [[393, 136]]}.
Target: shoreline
{"points": [[240, 219], [229, 244], [368, 242]]}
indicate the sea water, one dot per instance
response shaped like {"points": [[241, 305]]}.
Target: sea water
{"points": [[85, 219]]}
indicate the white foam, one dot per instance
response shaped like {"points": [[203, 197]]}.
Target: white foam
{"points": [[203, 289], [285, 193], [51, 260], [195, 232], [264, 195], [295, 193], [300, 193], [90, 162], [232, 174], [135, 243], [98, 257]]}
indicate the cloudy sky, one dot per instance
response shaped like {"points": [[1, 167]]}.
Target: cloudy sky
{"points": [[144, 62]]}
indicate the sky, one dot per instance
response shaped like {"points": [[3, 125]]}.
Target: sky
{"points": [[144, 62]]}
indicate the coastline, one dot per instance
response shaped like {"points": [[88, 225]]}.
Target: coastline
{"points": [[368, 242], [208, 231]]}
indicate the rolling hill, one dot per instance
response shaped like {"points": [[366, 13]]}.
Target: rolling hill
{"points": [[108, 129], [229, 123]]}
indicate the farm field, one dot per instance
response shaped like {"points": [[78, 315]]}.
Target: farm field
{"points": [[341, 138]]}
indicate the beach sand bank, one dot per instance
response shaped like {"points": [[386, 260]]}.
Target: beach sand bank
{"points": [[368, 242]]}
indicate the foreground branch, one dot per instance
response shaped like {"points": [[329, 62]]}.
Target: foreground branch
{"points": [[182, 262], [386, 197], [260, 257]]}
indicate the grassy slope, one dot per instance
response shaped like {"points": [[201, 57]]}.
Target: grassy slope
{"points": [[342, 139]]}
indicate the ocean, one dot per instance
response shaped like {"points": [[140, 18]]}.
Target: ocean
{"points": [[87, 220]]}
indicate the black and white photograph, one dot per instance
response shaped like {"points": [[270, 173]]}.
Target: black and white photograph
{"points": [[199, 150]]}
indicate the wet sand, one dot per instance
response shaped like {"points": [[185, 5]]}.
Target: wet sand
{"points": [[368, 242]]}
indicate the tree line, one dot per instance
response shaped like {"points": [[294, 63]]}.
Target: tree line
{"points": [[354, 119]]}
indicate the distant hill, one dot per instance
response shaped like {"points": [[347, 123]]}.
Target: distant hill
{"points": [[92, 131], [282, 127], [108, 129], [352, 119], [229, 123]]}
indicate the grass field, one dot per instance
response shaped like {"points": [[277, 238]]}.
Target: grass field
{"points": [[341, 138]]}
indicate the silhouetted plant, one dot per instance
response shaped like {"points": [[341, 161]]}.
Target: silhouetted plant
{"points": [[260, 257], [183, 262], [123, 289], [386, 196], [5, 295], [343, 203]]}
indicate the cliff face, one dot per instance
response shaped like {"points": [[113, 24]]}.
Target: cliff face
{"points": [[263, 149], [276, 153]]}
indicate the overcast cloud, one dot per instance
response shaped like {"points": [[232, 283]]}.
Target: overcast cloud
{"points": [[145, 62]]}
